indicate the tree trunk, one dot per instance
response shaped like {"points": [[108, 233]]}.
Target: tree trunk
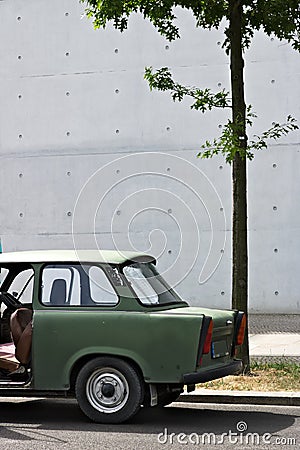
{"points": [[239, 174]]}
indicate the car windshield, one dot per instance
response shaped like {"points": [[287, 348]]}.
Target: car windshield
{"points": [[148, 285]]}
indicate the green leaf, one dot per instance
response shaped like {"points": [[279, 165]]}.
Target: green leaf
{"points": [[203, 99]]}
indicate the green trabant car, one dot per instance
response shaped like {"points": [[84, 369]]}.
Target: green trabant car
{"points": [[105, 327]]}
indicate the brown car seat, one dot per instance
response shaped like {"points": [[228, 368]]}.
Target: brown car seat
{"points": [[21, 330]]}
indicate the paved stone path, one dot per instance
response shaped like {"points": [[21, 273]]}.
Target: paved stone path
{"points": [[274, 323]]}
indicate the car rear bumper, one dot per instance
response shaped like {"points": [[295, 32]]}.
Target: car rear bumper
{"points": [[232, 368]]}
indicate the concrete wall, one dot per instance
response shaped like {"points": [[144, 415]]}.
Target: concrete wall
{"points": [[89, 157]]}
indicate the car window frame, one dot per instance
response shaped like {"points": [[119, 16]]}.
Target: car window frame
{"points": [[14, 269], [90, 304]]}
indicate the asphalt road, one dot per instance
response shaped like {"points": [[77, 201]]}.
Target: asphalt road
{"points": [[59, 424]]}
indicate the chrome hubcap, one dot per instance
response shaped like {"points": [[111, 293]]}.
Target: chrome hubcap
{"points": [[107, 390]]}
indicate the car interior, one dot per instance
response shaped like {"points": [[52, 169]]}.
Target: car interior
{"points": [[16, 324], [61, 286]]}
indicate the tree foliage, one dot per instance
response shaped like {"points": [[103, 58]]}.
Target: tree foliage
{"points": [[275, 17], [228, 142], [279, 17], [204, 100]]}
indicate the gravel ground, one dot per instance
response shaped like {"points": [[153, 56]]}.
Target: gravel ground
{"points": [[275, 359]]}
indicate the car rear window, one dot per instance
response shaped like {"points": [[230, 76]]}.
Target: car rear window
{"points": [[148, 285]]}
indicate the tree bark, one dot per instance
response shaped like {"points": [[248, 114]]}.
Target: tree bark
{"points": [[239, 173]]}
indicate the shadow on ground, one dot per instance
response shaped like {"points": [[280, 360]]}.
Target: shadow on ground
{"points": [[42, 415]]}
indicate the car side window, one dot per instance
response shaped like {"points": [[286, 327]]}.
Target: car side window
{"points": [[22, 286], [3, 274], [60, 286], [101, 290]]}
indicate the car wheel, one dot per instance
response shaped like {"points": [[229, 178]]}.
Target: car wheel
{"points": [[109, 390]]}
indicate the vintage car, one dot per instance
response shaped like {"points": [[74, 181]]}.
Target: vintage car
{"points": [[105, 327]]}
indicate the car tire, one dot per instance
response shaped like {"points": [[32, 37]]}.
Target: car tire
{"points": [[109, 390]]}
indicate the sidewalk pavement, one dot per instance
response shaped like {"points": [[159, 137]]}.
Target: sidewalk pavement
{"points": [[283, 344], [272, 338]]}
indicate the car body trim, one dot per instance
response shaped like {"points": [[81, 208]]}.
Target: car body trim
{"points": [[232, 368]]}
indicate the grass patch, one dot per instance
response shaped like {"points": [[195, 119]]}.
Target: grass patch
{"points": [[263, 377]]}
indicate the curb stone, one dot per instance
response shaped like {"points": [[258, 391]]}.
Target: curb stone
{"points": [[242, 397]]}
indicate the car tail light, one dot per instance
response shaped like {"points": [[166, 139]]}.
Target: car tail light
{"points": [[205, 338], [208, 338], [241, 330]]}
